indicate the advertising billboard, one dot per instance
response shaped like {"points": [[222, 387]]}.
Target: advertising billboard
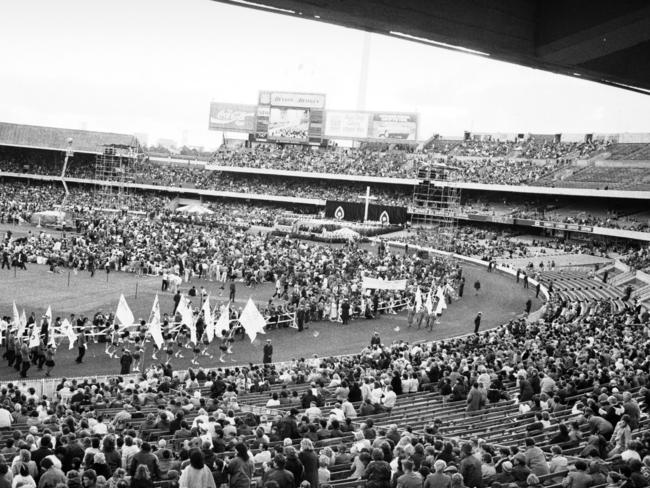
{"points": [[393, 126], [380, 126], [346, 125], [232, 117]]}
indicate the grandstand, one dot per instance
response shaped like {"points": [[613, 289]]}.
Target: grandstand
{"points": [[467, 311], [538, 375]]}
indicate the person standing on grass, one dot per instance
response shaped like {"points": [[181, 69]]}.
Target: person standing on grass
{"points": [[25, 360], [477, 322], [177, 301], [477, 286], [82, 344], [268, 352], [50, 352], [233, 290]]}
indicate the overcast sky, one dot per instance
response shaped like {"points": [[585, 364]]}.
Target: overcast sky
{"points": [[153, 66]]}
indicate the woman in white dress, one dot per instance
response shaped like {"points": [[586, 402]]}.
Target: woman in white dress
{"points": [[334, 310]]}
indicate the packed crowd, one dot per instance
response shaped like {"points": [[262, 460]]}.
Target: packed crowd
{"points": [[313, 278], [639, 259], [475, 161], [501, 171], [21, 199], [168, 175], [492, 243], [528, 149], [335, 160], [628, 217], [97, 434]]}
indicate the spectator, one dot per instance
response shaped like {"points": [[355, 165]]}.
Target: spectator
{"points": [[197, 474]]}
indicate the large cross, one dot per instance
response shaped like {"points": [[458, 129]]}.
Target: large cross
{"points": [[367, 198]]}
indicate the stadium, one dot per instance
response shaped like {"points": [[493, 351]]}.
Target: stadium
{"points": [[334, 297]]}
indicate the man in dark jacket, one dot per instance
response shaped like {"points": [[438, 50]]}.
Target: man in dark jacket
{"points": [[125, 362], [148, 459], [345, 312], [72, 450], [470, 468], [477, 322], [288, 427], [279, 473], [268, 352], [45, 450]]}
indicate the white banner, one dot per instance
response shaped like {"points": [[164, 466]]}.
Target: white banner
{"points": [[379, 284]]}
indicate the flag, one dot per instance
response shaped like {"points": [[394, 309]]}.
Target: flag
{"points": [[66, 328], [252, 321], [34, 338], [23, 322], [429, 303], [154, 324], [224, 321], [123, 315], [50, 326], [186, 317], [418, 300], [17, 321], [439, 307], [208, 319]]}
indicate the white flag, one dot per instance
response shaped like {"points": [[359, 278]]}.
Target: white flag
{"points": [[187, 317], [123, 315], [50, 326], [23, 322], [223, 324], [17, 322], [252, 321], [418, 299], [154, 324], [66, 328], [429, 303], [208, 319], [439, 307], [34, 338]]}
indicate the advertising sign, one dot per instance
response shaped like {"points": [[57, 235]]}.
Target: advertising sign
{"points": [[346, 125], [379, 126], [393, 126], [232, 117]]}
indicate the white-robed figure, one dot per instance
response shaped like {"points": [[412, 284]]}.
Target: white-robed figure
{"points": [[334, 310]]}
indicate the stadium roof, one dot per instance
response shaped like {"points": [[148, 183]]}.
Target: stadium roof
{"points": [[600, 40], [36, 137]]}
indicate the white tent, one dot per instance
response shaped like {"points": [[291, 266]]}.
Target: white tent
{"points": [[48, 217], [194, 209], [346, 233]]}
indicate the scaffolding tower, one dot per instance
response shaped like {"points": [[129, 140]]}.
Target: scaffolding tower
{"points": [[436, 205], [113, 169]]}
